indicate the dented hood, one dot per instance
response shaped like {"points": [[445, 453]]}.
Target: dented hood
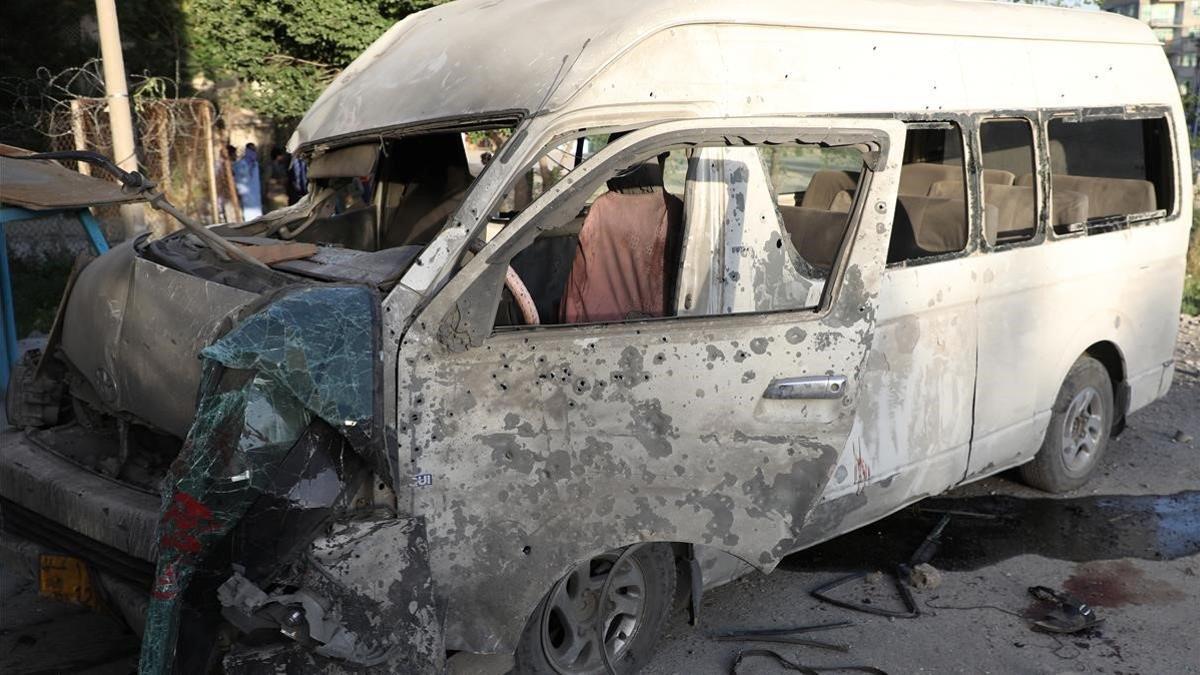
{"points": [[133, 329]]}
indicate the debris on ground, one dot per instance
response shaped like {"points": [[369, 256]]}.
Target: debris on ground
{"points": [[1182, 438], [790, 636], [800, 668], [903, 576], [925, 577], [910, 610], [1064, 612]]}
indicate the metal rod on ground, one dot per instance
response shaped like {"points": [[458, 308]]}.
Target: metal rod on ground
{"points": [[734, 635], [120, 118]]}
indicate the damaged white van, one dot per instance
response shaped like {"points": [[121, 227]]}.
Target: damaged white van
{"points": [[743, 277]]}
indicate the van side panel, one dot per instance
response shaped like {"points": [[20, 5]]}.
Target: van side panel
{"points": [[1042, 307]]}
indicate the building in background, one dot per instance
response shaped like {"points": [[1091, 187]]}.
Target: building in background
{"points": [[1177, 25]]}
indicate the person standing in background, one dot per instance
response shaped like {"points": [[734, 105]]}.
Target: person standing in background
{"points": [[277, 193], [249, 183], [298, 180]]}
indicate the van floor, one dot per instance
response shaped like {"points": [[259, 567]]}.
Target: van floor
{"points": [[1147, 590]]}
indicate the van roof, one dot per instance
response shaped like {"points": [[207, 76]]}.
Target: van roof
{"points": [[470, 58]]}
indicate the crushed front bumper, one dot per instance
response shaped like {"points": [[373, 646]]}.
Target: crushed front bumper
{"points": [[61, 492]]}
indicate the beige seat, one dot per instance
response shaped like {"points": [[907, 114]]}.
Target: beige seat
{"points": [[816, 233], [927, 226], [998, 177], [919, 178], [1013, 211], [843, 202], [1103, 196], [825, 185], [1014, 206], [916, 179]]}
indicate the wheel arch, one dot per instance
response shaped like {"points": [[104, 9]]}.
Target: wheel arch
{"points": [[1110, 356]]}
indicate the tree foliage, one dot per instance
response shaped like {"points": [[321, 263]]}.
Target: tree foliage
{"points": [[282, 53]]}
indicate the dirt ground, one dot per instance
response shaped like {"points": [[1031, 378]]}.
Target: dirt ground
{"points": [[1128, 544]]}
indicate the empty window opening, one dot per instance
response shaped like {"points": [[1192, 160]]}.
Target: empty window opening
{"points": [[1113, 171], [1010, 211], [931, 213], [693, 231]]}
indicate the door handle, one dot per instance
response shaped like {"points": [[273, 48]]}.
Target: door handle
{"points": [[815, 386]]}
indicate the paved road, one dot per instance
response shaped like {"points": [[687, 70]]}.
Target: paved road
{"points": [[1129, 542]]}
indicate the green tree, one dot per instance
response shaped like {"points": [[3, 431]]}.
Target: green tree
{"points": [[282, 53]]}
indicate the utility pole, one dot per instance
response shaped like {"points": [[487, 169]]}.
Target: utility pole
{"points": [[120, 118]]}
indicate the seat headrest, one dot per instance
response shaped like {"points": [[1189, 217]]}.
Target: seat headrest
{"points": [[641, 178], [925, 226]]}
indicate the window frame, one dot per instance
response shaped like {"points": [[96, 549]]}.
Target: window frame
{"points": [[962, 123], [646, 143], [1123, 222], [1042, 212]]}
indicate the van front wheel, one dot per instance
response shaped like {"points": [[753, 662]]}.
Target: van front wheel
{"points": [[1080, 426], [633, 592]]}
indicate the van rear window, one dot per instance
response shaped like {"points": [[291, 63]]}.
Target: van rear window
{"points": [[1106, 173]]}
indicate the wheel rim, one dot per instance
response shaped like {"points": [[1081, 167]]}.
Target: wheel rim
{"points": [[570, 639], [1083, 430]]}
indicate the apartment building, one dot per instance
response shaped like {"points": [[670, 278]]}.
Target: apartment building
{"points": [[1177, 24]]}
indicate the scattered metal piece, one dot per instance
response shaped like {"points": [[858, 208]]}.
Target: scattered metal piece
{"points": [[733, 635], [787, 640], [922, 555], [955, 512], [911, 610], [133, 182], [800, 668], [924, 552], [1068, 614], [789, 636], [930, 544]]}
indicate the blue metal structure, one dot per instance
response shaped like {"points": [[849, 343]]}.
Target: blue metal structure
{"points": [[8, 214]]}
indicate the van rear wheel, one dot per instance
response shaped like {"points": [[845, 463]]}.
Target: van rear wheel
{"points": [[564, 635], [1079, 430]]}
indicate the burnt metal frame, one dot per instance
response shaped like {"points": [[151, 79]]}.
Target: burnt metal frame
{"points": [[9, 214]]}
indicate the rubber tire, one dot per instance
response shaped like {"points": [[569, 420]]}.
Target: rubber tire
{"points": [[658, 566], [1048, 471]]}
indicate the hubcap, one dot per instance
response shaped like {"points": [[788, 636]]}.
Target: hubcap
{"points": [[1083, 429], [570, 639]]}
